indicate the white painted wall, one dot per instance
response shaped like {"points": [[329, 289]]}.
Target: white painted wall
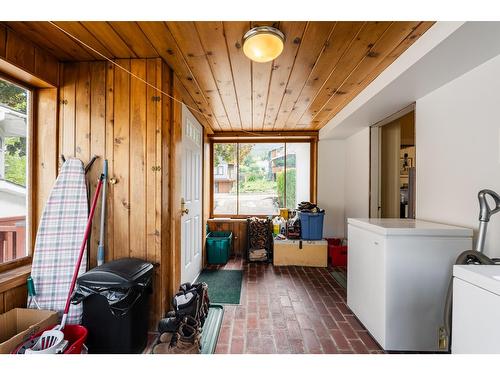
{"points": [[343, 181], [12, 205], [331, 167], [458, 136], [357, 175]]}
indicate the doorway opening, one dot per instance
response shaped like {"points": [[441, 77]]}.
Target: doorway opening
{"points": [[393, 166]]}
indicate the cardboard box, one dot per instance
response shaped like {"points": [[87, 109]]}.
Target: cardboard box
{"points": [[300, 253], [18, 325]]}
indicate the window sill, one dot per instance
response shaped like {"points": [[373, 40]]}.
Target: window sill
{"points": [[13, 278]]}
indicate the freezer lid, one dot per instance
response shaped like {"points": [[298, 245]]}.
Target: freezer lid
{"points": [[409, 227]]}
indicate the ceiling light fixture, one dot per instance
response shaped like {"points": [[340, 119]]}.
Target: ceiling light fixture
{"points": [[263, 44]]}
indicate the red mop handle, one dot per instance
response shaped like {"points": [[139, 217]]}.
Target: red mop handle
{"points": [[84, 243]]}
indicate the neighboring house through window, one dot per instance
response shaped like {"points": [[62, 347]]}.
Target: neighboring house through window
{"points": [[13, 170]]}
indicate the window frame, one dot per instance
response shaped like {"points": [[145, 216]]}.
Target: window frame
{"points": [[30, 116], [313, 141]]}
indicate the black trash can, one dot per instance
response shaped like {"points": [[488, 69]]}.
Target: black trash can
{"points": [[116, 304]]}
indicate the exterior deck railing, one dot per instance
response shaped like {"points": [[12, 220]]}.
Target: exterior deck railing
{"points": [[12, 238]]}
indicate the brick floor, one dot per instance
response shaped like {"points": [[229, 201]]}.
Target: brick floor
{"points": [[291, 310]]}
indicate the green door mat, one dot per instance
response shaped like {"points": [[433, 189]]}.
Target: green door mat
{"points": [[224, 286]]}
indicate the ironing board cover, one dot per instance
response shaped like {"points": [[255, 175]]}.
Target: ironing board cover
{"points": [[58, 240]]}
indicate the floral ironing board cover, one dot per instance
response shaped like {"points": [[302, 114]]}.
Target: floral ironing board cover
{"points": [[59, 238]]}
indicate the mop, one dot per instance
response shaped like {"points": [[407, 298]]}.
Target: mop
{"points": [[100, 248]]}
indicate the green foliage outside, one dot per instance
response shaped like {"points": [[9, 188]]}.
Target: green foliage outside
{"points": [[15, 160], [290, 188], [13, 96]]}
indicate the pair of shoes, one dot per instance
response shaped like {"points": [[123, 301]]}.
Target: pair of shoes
{"points": [[191, 301], [185, 341], [201, 290]]}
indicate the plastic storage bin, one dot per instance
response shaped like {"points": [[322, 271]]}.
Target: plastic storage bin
{"points": [[219, 247], [337, 252], [311, 225], [116, 305]]}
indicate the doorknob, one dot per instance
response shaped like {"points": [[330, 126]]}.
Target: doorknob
{"points": [[184, 210]]}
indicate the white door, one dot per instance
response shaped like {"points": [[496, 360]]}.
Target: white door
{"points": [[191, 176]]}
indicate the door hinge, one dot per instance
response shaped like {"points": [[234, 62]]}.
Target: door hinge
{"points": [[156, 168], [63, 101], [156, 98]]}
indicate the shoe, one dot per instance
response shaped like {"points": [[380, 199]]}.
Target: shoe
{"points": [[185, 341], [202, 290], [166, 337], [169, 324], [186, 304]]}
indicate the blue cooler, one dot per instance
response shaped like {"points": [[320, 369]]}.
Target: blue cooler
{"points": [[311, 224]]}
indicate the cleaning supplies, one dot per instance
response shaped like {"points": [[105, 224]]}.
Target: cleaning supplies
{"points": [[100, 248], [53, 341], [276, 225]]}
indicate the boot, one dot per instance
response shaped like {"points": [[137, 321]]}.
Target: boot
{"points": [[169, 324], [202, 290], [186, 304], [186, 340]]}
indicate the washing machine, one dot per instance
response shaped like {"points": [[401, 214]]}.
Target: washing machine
{"points": [[476, 309]]}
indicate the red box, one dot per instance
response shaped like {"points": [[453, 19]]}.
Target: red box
{"points": [[337, 253]]}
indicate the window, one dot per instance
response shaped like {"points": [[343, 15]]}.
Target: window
{"points": [[13, 170], [259, 178]]}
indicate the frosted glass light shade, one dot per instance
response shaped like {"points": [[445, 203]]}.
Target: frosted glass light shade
{"points": [[263, 43]]}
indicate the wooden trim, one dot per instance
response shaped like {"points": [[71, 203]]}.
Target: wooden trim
{"points": [[314, 172], [14, 278], [7, 266], [175, 190], [31, 186], [395, 116], [313, 188], [265, 134], [211, 172]]}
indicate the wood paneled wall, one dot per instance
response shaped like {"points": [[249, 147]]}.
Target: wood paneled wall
{"points": [[109, 113], [239, 229], [25, 61], [13, 291]]}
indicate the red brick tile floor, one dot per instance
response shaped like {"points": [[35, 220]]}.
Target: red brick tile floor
{"points": [[291, 310]]}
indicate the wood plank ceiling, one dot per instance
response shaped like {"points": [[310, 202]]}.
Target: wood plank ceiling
{"points": [[324, 65]]}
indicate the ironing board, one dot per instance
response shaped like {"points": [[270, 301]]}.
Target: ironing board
{"points": [[58, 240]]}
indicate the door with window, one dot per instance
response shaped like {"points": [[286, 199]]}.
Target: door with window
{"points": [[191, 204]]}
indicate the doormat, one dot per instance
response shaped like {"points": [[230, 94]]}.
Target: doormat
{"points": [[224, 286], [340, 276]]}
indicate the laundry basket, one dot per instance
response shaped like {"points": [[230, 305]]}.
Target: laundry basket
{"points": [[219, 247]]}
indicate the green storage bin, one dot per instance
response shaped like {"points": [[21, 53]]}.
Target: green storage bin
{"points": [[219, 247]]}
